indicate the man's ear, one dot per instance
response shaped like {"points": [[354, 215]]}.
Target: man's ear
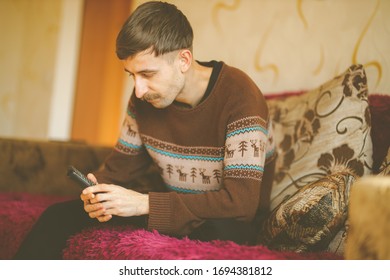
{"points": [[185, 59]]}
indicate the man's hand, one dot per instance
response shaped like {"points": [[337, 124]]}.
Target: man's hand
{"points": [[102, 201]]}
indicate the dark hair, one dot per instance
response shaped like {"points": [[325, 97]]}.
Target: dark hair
{"points": [[157, 25]]}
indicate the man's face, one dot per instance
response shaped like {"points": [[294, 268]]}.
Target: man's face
{"points": [[157, 80]]}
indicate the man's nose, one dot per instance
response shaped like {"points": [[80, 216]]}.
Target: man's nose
{"points": [[140, 87]]}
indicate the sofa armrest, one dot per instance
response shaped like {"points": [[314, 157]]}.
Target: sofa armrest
{"points": [[369, 212], [36, 166]]}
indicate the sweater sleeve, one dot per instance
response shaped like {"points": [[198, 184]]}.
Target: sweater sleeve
{"points": [[249, 150], [129, 159]]}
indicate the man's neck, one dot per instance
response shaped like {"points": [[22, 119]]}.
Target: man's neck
{"points": [[198, 78]]}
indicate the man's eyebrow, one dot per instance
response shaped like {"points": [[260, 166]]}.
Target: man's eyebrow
{"points": [[142, 71]]}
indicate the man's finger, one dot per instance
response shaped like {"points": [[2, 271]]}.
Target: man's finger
{"points": [[104, 218], [96, 189]]}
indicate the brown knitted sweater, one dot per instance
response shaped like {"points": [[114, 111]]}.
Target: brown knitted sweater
{"points": [[211, 157]]}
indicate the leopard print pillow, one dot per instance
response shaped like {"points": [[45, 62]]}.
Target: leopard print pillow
{"points": [[311, 218]]}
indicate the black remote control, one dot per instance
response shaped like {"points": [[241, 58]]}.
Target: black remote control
{"points": [[79, 177]]}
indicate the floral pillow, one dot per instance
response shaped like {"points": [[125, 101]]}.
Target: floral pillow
{"points": [[311, 218], [321, 132]]}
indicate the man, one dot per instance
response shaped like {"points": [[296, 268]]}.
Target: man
{"points": [[205, 125]]}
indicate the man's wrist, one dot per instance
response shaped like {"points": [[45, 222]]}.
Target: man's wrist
{"points": [[144, 207]]}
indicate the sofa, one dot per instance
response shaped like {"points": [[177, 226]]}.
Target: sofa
{"points": [[328, 140]]}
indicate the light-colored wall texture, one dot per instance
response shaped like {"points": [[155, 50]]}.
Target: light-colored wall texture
{"points": [[29, 34], [289, 45], [284, 45], [38, 62]]}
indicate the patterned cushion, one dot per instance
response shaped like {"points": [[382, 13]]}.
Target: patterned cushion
{"points": [[385, 166], [320, 132], [337, 244], [311, 218]]}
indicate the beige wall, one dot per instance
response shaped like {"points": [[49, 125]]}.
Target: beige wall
{"points": [[289, 45], [38, 59], [29, 32]]}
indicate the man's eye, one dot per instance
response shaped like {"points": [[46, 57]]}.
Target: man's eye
{"points": [[147, 75]]}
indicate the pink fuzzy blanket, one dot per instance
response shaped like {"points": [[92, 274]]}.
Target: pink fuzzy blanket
{"points": [[19, 211]]}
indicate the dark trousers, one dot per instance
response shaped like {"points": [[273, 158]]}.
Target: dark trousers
{"points": [[58, 222]]}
